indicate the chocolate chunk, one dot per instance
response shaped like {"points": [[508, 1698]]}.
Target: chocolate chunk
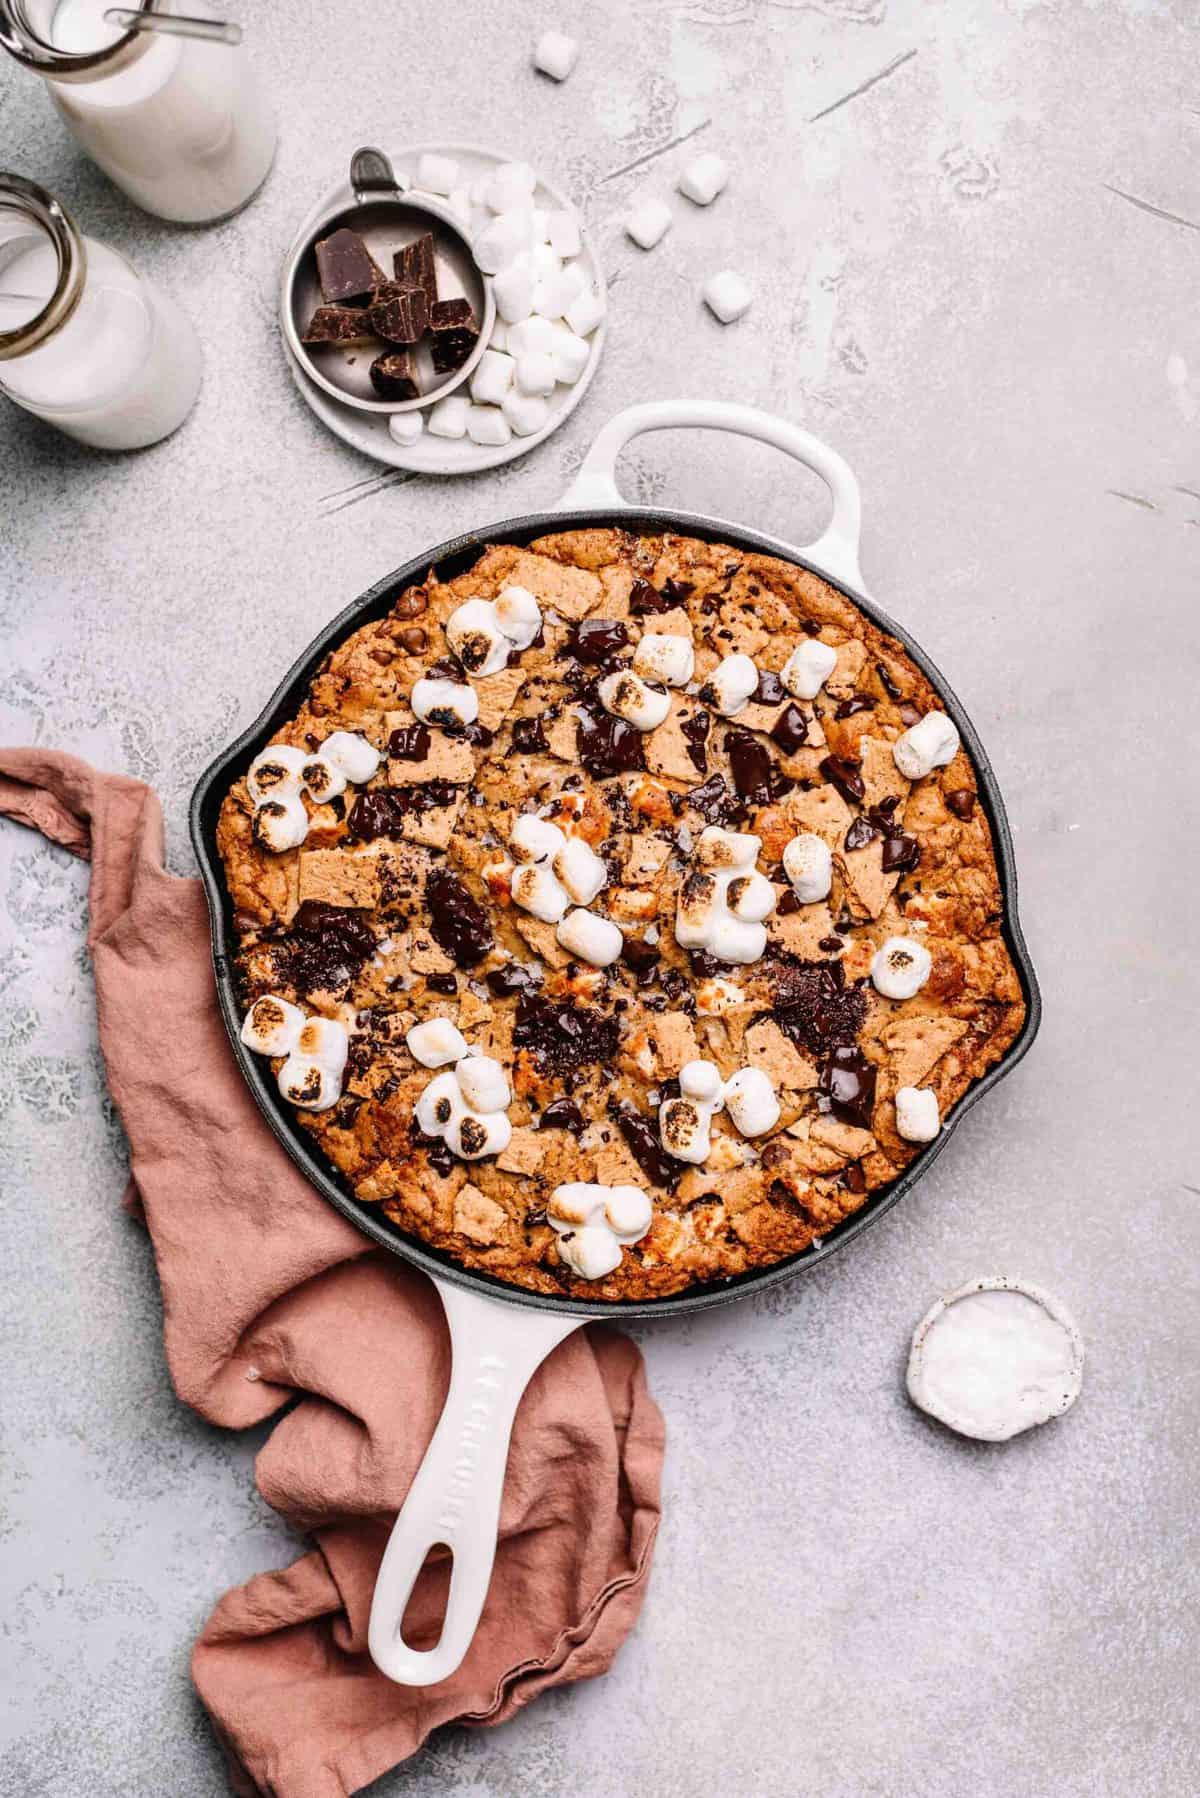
{"points": [[412, 603], [857, 702], [400, 314], [677, 593], [326, 947], [770, 689], [755, 774], [457, 923], [346, 268], [442, 983], [640, 955], [562, 1114], [597, 640], [703, 965], [694, 730], [608, 745], [715, 803], [830, 944], [394, 377], [854, 1180], [411, 743], [439, 1154], [646, 601], [888, 684], [451, 315], [414, 266], [846, 776], [790, 729], [337, 324], [455, 334], [513, 977], [961, 801], [860, 833], [813, 1005], [642, 1138], [413, 640], [382, 813], [900, 853], [562, 1037], [848, 1081], [529, 736]]}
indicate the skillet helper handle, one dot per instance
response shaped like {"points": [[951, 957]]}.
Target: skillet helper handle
{"points": [[835, 552], [455, 1497]]}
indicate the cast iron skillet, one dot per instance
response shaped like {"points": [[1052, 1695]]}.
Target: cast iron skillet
{"points": [[500, 1333]]}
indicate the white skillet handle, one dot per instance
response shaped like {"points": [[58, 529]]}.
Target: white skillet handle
{"points": [[836, 551], [455, 1497]]}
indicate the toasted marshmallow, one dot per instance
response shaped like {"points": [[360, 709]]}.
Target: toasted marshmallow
{"points": [[352, 755], [926, 746], [324, 1041], [581, 871], [308, 1085], [436, 1042], [627, 696], [444, 702], [731, 683], [729, 850], [555, 54], [917, 1117], [723, 901], [750, 897], [323, 780], [808, 864], [466, 1108], [718, 995], [276, 773], [518, 615], [272, 1026], [593, 1221], [535, 839], [280, 824], [536, 889], [751, 1102], [665, 657], [685, 1130], [595, 940], [476, 639], [483, 1083], [901, 967], [808, 668]]}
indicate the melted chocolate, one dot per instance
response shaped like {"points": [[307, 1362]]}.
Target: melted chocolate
{"points": [[848, 1080], [608, 745], [900, 853], [326, 947], [564, 1037], [645, 601], [639, 955], [846, 776], [457, 923], [642, 1138], [770, 689], [814, 1006], [529, 736], [790, 729], [857, 702], [382, 813], [694, 729], [411, 743], [860, 833], [562, 1114], [888, 684], [442, 983], [715, 803], [512, 978], [597, 640], [441, 1157], [755, 775]]}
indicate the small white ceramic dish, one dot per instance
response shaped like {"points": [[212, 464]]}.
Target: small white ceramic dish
{"points": [[368, 431], [997, 1357]]}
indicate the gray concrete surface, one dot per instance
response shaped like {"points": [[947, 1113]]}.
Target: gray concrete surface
{"points": [[978, 279]]}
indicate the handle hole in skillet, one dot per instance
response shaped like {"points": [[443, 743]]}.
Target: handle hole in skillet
{"points": [[724, 476], [425, 1613]]}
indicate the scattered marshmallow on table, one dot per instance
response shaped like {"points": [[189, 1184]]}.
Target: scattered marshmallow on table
{"points": [[449, 417], [405, 427], [703, 179], [648, 223], [917, 1118], [808, 668], [437, 174], [727, 296], [555, 54]]}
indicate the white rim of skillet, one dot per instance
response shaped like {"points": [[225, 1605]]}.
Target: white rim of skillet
{"points": [[368, 432]]}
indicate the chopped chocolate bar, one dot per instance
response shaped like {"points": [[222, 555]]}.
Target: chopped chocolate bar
{"points": [[455, 333], [393, 376], [400, 314], [414, 266], [337, 324], [346, 267]]}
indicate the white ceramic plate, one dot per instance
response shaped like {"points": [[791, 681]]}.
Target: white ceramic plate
{"points": [[446, 455]]}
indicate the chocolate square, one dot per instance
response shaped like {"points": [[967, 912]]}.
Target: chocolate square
{"points": [[414, 266], [455, 334], [346, 267], [399, 314], [393, 376], [337, 324]]}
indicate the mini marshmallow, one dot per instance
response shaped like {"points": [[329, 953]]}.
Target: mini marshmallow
{"points": [[436, 1042], [487, 425], [555, 54], [562, 230], [595, 940], [466, 1108], [513, 289], [535, 839], [324, 1041], [499, 337], [436, 174], [685, 1123], [405, 427], [585, 312], [901, 967], [554, 293], [703, 179], [530, 336], [537, 890], [727, 849], [544, 264], [928, 745], [808, 668], [511, 186], [280, 824], [750, 896], [518, 615], [444, 702], [272, 1026], [917, 1117], [647, 223], [727, 296], [276, 773], [808, 864], [527, 413], [724, 877], [503, 240], [535, 374], [593, 1221], [483, 1083], [475, 637], [449, 417], [569, 355], [308, 1085], [665, 657], [751, 1102], [491, 378], [352, 755], [323, 780], [701, 1080], [731, 683], [581, 871], [626, 695]]}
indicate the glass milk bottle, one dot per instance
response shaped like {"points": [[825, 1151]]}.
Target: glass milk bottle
{"points": [[178, 122], [85, 341]]}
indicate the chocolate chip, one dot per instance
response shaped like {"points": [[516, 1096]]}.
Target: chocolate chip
{"points": [[413, 640], [457, 923], [528, 736], [411, 604], [888, 684], [440, 1157], [640, 955], [411, 743], [961, 801], [857, 702], [854, 1180], [848, 1080], [845, 775], [644, 1146], [442, 983], [608, 745], [790, 729], [694, 729], [645, 601], [770, 689], [597, 640], [900, 853], [788, 903], [830, 944], [562, 1114], [860, 833], [704, 966]]}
